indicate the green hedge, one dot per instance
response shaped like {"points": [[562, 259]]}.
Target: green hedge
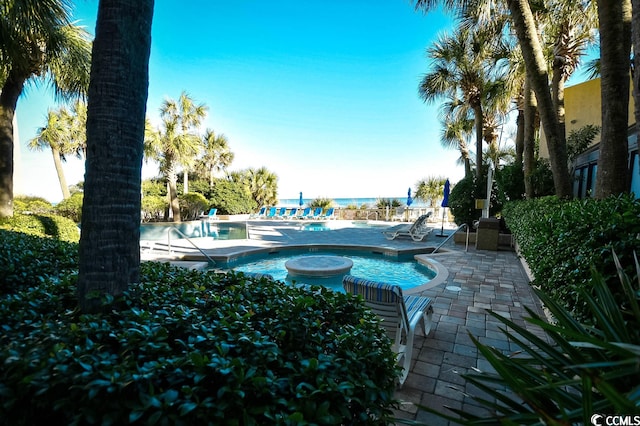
{"points": [[43, 225], [562, 240], [189, 347]]}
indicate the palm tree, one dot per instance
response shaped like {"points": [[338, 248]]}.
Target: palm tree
{"points": [[38, 42], [217, 155], [464, 71], [110, 241], [176, 142], [430, 189], [58, 136], [455, 134], [261, 184]]}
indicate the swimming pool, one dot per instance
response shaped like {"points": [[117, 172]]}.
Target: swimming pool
{"points": [[332, 225], [194, 229], [402, 270]]}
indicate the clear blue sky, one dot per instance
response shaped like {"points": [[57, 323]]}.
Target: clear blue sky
{"points": [[321, 92]]}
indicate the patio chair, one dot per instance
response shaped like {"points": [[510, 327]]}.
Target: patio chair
{"points": [[306, 213], [329, 214], [211, 215], [418, 230], [282, 211], [259, 214], [316, 213], [399, 314], [293, 213], [271, 214], [398, 215]]}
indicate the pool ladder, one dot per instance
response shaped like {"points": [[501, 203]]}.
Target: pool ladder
{"points": [[173, 228], [464, 225]]}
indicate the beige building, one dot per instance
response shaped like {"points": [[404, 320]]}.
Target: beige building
{"points": [[583, 106]]}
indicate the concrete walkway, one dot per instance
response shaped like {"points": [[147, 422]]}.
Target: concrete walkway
{"points": [[477, 280]]}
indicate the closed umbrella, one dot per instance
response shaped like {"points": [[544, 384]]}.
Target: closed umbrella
{"points": [[301, 202], [444, 205], [409, 199]]}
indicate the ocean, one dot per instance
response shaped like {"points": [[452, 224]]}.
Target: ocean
{"points": [[344, 202]]}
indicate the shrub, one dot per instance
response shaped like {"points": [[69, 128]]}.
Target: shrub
{"points": [[192, 205], [71, 207], [153, 208], [231, 198], [321, 202], [462, 200], [191, 347], [28, 261], [510, 183], [44, 225], [383, 203], [32, 205], [570, 373], [562, 240]]}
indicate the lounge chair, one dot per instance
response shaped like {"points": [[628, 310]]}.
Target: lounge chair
{"points": [[293, 213], [329, 214], [306, 213], [271, 213], [211, 215], [400, 314], [398, 215], [418, 230], [281, 212], [259, 214], [316, 213]]}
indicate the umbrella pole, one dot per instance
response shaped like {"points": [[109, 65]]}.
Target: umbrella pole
{"points": [[441, 234]]}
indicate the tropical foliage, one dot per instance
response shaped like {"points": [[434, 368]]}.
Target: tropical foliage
{"points": [[561, 241], [430, 190], [184, 347], [39, 43], [573, 370]]}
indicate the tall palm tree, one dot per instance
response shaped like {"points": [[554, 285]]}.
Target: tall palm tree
{"points": [[58, 136], [456, 132], [463, 71], [176, 142], [262, 184], [37, 42], [216, 155], [524, 24], [110, 241], [430, 189]]}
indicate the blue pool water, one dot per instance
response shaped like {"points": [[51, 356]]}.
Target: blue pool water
{"points": [[406, 273], [194, 229]]}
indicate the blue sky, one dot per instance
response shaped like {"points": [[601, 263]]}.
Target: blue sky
{"points": [[321, 92]]}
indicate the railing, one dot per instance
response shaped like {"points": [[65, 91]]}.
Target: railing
{"points": [[464, 225], [213, 262]]}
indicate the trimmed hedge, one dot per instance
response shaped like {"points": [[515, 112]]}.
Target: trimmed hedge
{"points": [[43, 225], [190, 347], [563, 240]]}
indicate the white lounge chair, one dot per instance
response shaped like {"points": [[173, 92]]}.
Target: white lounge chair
{"points": [[258, 214], [400, 314], [398, 215], [211, 215], [418, 230], [329, 214]]}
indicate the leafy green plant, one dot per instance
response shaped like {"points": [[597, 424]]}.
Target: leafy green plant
{"points": [[71, 207], [383, 203], [562, 240], [153, 208], [45, 225], [190, 347], [192, 205], [574, 371], [32, 205], [323, 203], [231, 197]]}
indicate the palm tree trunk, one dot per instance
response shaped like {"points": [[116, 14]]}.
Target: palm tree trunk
{"points": [[57, 161], [172, 193], [528, 154], [635, 42], [8, 101], [519, 136], [532, 54], [110, 238], [615, 41], [478, 121]]}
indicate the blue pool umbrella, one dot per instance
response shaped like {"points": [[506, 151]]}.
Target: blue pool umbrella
{"points": [[445, 204], [409, 199], [445, 199], [301, 202]]}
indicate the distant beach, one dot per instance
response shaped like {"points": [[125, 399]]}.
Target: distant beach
{"points": [[344, 202]]}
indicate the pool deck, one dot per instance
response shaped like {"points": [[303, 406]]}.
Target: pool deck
{"points": [[477, 280]]}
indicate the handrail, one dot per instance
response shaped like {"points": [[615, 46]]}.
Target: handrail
{"points": [[370, 212], [464, 225], [173, 228]]}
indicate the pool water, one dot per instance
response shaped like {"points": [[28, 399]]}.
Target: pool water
{"points": [[406, 273], [194, 229]]}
